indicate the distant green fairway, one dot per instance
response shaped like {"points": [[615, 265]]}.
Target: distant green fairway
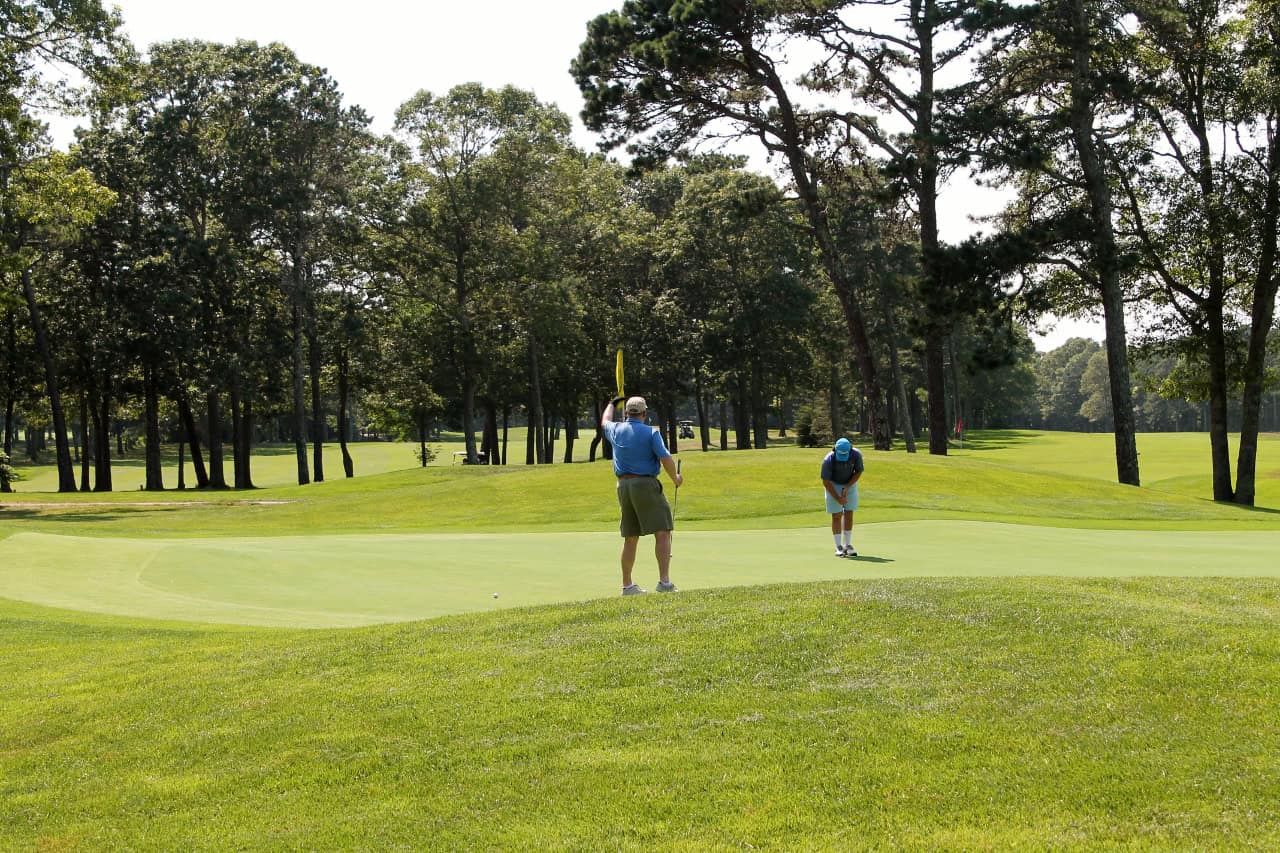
{"points": [[331, 581]]}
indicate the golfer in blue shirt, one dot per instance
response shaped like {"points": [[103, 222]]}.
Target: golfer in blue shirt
{"points": [[841, 471], [638, 451]]}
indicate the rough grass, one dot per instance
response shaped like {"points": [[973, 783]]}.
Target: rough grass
{"points": [[928, 714]]}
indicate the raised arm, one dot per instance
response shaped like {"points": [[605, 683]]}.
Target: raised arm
{"points": [[607, 416]]}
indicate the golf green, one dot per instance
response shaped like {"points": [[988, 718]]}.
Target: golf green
{"points": [[347, 580]]}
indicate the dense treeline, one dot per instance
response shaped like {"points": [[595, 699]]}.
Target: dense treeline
{"points": [[227, 254]]}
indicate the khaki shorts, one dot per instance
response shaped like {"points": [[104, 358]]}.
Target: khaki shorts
{"points": [[644, 508]]}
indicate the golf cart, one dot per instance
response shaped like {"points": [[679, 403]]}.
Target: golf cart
{"points": [[686, 429]]}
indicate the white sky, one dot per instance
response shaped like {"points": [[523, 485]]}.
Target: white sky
{"points": [[381, 52]]}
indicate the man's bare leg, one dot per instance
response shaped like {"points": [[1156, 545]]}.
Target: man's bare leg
{"points": [[662, 550], [628, 558]]}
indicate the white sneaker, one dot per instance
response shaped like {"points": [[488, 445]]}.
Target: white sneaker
{"points": [[666, 586], [633, 590], [849, 552], [840, 552]]}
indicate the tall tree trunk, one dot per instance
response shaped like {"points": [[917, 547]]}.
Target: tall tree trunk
{"points": [[1082, 119], [741, 413], [531, 439], [489, 454], [506, 426], [237, 431], [102, 440], [85, 479], [900, 389], [598, 434], [1261, 317], [834, 393], [193, 438], [318, 425], [10, 382], [759, 414], [246, 451], [154, 465], [957, 408], [66, 471], [10, 427], [535, 394], [570, 435], [548, 453], [299, 394], [469, 358], [1219, 448], [935, 380], [924, 19], [182, 463], [671, 424], [422, 440], [724, 425], [344, 391], [815, 209], [217, 472], [703, 427]]}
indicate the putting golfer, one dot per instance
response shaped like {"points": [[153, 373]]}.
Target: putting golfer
{"points": [[638, 451], [841, 470]]}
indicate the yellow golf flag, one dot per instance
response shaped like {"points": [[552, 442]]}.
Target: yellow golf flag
{"points": [[617, 373]]}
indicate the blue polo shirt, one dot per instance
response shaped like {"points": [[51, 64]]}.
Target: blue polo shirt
{"points": [[637, 447]]}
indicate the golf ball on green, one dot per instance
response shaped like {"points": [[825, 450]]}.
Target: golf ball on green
{"points": [[495, 595]]}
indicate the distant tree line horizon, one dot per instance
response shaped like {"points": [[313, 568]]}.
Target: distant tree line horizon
{"points": [[228, 255], [1063, 389]]}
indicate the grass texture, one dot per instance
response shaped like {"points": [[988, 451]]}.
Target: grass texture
{"points": [[1026, 656], [948, 713]]}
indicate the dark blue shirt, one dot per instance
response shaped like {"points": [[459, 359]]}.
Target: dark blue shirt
{"points": [[841, 472]]}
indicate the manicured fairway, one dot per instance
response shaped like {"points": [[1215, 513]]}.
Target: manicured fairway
{"points": [[331, 581]]}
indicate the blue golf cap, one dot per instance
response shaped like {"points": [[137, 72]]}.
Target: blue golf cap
{"points": [[843, 447]]}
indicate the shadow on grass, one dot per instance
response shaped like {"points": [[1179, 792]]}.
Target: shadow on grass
{"points": [[862, 558], [16, 512], [996, 439]]}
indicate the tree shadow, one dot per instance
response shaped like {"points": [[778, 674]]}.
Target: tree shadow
{"points": [[16, 512], [996, 439]]}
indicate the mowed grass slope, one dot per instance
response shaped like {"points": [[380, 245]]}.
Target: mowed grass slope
{"points": [[859, 713], [773, 488], [925, 714]]}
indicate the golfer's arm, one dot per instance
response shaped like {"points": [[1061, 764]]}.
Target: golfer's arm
{"points": [[831, 489], [856, 477], [607, 417], [669, 465]]}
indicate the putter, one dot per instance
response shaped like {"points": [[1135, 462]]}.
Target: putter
{"points": [[675, 505]]}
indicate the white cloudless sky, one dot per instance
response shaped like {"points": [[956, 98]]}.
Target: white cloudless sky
{"points": [[381, 52]]}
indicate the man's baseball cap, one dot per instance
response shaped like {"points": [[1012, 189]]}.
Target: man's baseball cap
{"points": [[843, 448], [636, 406]]}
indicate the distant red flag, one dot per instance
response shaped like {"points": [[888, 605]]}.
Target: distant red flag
{"points": [[959, 426]]}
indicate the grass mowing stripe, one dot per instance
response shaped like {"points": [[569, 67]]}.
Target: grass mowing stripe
{"points": [[334, 581]]}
